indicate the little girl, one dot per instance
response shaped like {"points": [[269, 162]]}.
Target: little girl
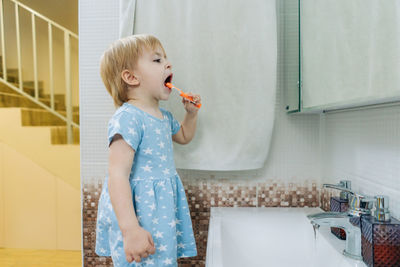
{"points": [[143, 216]]}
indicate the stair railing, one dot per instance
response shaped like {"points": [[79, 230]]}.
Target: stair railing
{"points": [[67, 57]]}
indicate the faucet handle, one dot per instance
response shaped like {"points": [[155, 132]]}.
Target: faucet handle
{"points": [[381, 209], [347, 185], [360, 204], [344, 186]]}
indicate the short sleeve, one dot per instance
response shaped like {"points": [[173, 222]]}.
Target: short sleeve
{"points": [[128, 126], [175, 125]]}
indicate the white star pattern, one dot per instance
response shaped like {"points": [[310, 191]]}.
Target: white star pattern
{"points": [[131, 131], [148, 151], [162, 247], [163, 158], [167, 261], [158, 131], [116, 254], [172, 223], [149, 262], [115, 123], [159, 234], [181, 245], [119, 237], [152, 206], [165, 171], [147, 168], [137, 198], [161, 144], [179, 233], [150, 192], [155, 221]]}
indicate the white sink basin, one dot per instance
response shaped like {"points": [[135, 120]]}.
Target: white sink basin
{"points": [[273, 237]]}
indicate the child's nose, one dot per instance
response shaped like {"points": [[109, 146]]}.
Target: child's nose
{"points": [[168, 65]]}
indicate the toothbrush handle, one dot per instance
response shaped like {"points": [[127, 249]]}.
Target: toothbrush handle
{"points": [[190, 98], [184, 95]]}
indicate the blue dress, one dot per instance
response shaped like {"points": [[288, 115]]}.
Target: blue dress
{"points": [[158, 195]]}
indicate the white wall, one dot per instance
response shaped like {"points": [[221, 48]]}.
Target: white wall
{"points": [[364, 146], [37, 209], [295, 142], [98, 27]]}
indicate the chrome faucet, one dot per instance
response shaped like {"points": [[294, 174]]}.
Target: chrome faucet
{"points": [[341, 220], [358, 205], [343, 186]]}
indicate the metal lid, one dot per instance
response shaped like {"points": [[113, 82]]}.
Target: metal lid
{"points": [[382, 208], [345, 184]]}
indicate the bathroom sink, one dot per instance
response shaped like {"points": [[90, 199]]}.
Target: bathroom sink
{"points": [[264, 237]]}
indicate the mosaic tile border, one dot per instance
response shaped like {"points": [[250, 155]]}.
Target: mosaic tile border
{"points": [[202, 195]]}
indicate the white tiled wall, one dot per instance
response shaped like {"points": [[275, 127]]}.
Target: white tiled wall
{"points": [[98, 27], [295, 145], [364, 146]]}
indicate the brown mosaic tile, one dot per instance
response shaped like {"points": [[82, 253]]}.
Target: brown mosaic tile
{"points": [[91, 194], [275, 194], [325, 197]]}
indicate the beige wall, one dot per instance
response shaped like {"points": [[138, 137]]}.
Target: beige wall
{"points": [[37, 209], [66, 16]]}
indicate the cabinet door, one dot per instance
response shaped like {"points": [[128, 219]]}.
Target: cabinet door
{"points": [[289, 56], [350, 53]]}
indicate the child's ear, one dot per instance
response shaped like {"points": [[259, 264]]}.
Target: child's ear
{"points": [[129, 77]]}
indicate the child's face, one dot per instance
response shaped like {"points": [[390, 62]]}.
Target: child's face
{"points": [[152, 71]]}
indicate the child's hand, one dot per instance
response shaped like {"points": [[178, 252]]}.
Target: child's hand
{"points": [[138, 244], [190, 107]]}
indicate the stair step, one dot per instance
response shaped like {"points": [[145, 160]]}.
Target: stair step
{"points": [[28, 86], [38, 117], [14, 100], [59, 135], [11, 98], [27, 89], [59, 99]]}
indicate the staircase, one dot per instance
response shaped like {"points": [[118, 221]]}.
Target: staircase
{"points": [[34, 115], [41, 129]]}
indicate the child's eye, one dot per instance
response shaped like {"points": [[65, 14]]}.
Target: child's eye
{"points": [[157, 60]]}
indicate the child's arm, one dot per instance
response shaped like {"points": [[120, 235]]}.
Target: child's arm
{"points": [[138, 243], [188, 125]]}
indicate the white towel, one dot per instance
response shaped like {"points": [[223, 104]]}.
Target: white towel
{"points": [[227, 52]]}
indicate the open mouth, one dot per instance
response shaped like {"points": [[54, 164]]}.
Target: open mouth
{"points": [[169, 79]]}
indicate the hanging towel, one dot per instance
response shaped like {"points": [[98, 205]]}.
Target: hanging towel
{"points": [[226, 51]]}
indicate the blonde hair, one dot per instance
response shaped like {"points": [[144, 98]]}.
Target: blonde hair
{"points": [[121, 55]]}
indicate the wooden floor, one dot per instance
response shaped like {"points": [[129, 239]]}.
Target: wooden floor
{"points": [[37, 258]]}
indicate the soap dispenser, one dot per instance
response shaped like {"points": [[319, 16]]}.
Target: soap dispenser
{"points": [[380, 236], [340, 204]]}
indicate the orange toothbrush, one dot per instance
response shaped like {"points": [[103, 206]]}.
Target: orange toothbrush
{"points": [[184, 95]]}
